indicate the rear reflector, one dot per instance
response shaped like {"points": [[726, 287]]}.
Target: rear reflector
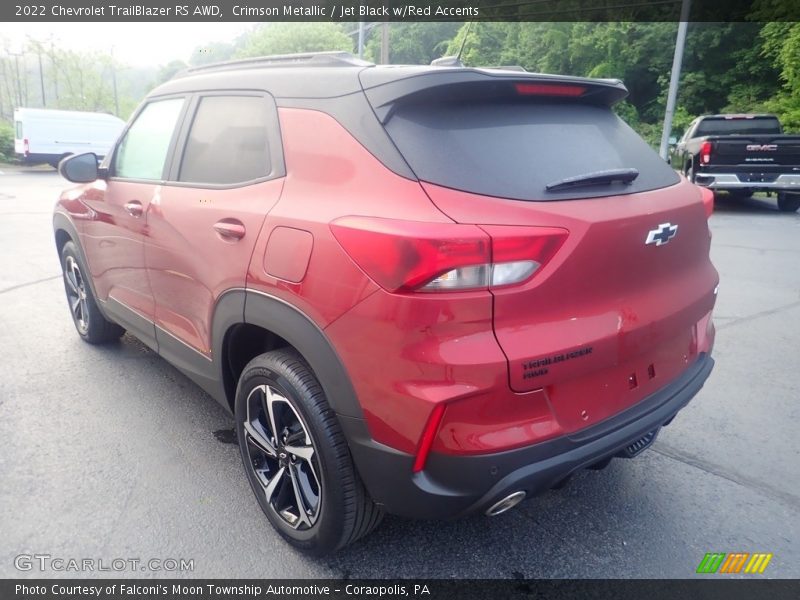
{"points": [[548, 89], [708, 200], [428, 435], [405, 256]]}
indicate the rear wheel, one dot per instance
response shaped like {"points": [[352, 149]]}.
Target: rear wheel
{"points": [[689, 172], [92, 326], [788, 202], [55, 163], [296, 457]]}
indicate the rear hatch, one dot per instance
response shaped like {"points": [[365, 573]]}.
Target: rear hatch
{"points": [[610, 318]]}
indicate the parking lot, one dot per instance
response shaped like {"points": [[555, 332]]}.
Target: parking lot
{"points": [[109, 452]]}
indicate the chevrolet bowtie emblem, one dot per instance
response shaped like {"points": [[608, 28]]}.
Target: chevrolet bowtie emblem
{"points": [[661, 234]]}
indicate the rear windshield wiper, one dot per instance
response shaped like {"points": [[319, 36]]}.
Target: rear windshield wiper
{"points": [[595, 178]]}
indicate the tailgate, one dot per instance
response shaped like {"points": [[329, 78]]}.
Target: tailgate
{"points": [[743, 150], [610, 319], [611, 315]]}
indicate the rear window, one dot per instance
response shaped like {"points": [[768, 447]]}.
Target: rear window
{"points": [[722, 126], [18, 134], [514, 149]]}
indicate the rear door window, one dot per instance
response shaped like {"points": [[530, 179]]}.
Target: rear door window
{"points": [[18, 130], [514, 149], [228, 141]]}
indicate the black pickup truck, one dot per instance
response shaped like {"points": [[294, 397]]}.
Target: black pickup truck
{"points": [[741, 154]]}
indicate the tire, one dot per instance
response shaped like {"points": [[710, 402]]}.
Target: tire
{"points": [[302, 475], [90, 323], [788, 202], [689, 172], [56, 162]]}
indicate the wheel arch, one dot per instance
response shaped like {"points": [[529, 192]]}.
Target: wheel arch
{"points": [[65, 231], [277, 324]]}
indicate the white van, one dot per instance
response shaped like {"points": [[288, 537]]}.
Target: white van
{"points": [[46, 136]]}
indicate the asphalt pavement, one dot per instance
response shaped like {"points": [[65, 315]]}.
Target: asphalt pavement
{"points": [[110, 453]]}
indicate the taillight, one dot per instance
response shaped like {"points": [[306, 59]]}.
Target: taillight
{"points": [[708, 201], [25, 146], [404, 256], [705, 153], [549, 89], [518, 252]]}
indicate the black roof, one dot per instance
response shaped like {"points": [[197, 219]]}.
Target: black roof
{"points": [[335, 74], [739, 116]]}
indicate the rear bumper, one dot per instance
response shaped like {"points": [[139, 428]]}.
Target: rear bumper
{"points": [[737, 181], [453, 486]]}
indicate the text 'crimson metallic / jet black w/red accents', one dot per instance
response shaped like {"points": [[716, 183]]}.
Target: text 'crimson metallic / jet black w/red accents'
{"points": [[428, 291]]}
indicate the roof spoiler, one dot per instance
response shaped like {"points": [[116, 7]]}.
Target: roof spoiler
{"points": [[385, 91]]}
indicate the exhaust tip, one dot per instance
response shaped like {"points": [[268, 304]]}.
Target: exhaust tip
{"points": [[505, 504]]}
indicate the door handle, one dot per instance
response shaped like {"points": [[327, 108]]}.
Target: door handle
{"points": [[134, 208], [232, 229]]}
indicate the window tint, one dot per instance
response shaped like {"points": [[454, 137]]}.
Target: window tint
{"points": [[756, 125], [515, 149], [142, 152], [228, 141]]}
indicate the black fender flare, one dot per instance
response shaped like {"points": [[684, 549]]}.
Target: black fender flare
{"points": [[299, 330], [61, 222]]}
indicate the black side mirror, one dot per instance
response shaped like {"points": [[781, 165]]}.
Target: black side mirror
{"points": [[79, 168]]}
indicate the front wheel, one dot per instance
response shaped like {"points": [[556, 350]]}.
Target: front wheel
{"points": [[788, 202], [92, 326], [296, 457]]}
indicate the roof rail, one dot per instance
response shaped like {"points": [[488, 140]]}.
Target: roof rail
{"points": [[311, 59]]}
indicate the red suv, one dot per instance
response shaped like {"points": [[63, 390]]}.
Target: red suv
{"points": [[428, 291]]}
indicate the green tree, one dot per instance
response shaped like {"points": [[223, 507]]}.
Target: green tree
{"points": [[781, 46], [169, 70], [414, 43], [289, 38], [6, 142]]}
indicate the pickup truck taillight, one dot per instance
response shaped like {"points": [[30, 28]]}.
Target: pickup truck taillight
{"points": [[410, 256], [705, 153]]}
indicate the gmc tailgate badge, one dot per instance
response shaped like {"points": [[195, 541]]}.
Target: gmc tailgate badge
{"points": [[661, 234]]}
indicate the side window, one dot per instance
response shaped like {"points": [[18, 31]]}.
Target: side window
{"points": [[228, 141], [18, 133], [143, 150]]}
